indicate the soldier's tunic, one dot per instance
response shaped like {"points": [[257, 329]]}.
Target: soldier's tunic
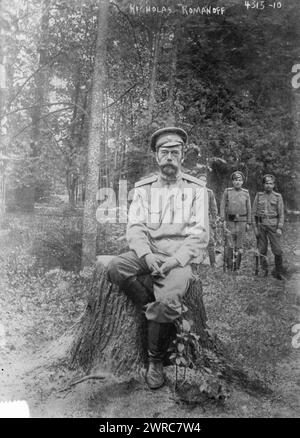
{"points": [[268, 216], [235, 209], [170, 219]]}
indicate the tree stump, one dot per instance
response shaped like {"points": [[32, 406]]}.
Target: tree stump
{"points": [[111, 335], [110, 340]]}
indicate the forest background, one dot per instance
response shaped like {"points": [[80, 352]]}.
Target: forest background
{"points": [[84, 84], [226, 79]]}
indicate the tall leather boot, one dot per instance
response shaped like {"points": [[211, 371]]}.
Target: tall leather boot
{"points": [[212, 256], [155, 377], [229, 259], [278, 267], [238, 261], [264, 265], [137, 292]]}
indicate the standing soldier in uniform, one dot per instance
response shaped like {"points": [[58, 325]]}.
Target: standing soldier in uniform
{"points": [[268, 220], [168, 227], [235, 212], [213, 214]]}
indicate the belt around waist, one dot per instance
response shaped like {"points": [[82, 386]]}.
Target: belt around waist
{"points": [[237, 217], [260, 218]]}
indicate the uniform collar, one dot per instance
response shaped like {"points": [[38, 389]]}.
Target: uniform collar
{"points": [[166, 181]]}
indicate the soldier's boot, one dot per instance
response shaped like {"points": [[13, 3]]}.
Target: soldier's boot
{"points": [[137, 292], [229, 259], [155, 376], [238, 261], [212, 256], [278, 267], [264, 265]]}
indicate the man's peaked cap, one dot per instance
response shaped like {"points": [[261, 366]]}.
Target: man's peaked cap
{"points": [[168, 137], [268, 176]]}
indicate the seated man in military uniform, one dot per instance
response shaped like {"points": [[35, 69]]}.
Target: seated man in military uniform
{"points": [[168, 227]]}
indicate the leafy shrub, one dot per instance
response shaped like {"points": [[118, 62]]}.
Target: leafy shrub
{"points": [[58, 245]]}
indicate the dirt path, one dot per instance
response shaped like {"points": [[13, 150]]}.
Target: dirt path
{"points": [[27, 372]]}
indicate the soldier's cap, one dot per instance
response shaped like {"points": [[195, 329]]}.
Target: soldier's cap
{"points": [[268, 176], [237, 174], [170, 136], [201, 171]]}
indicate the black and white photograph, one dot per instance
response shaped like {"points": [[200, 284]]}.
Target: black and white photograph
{"points": [[149, 211]]}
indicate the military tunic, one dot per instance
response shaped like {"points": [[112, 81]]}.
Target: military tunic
{"points": [[235, 209], [267, 217], [170, 219]]}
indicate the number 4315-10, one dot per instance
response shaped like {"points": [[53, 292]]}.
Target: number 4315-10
{"points": [[262, 4]]}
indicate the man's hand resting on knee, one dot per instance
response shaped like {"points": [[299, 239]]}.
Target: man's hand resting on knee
{"points": [[160, 265], [154, 261], [169, 263]]}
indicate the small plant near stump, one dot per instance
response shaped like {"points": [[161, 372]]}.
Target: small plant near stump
{"points": [[197, 383]]}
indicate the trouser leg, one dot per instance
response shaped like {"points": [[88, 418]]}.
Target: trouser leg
{"points": [[168, 292], [231, 246], [137, 292], [125, 270], [275, 243], [262, 244], [240, 235], [125, 266], [274, 239], [239, 242]]}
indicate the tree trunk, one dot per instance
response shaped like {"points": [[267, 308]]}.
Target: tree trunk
{"points": [[95, 140], [172, 83], [153, 75], [3, 95], [71, 168], [41, 83], [296, 120], [111, 335]]}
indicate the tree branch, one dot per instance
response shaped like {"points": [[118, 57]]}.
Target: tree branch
{"points": [[53, 136], [32, 75], [41, 118], [45, 104], [83, 379], [122, 95]]}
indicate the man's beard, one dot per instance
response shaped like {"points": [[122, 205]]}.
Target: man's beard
{"points": [[169, 169]]}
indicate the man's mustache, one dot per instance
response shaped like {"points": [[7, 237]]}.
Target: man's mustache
{"points": [[169, 165]]}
